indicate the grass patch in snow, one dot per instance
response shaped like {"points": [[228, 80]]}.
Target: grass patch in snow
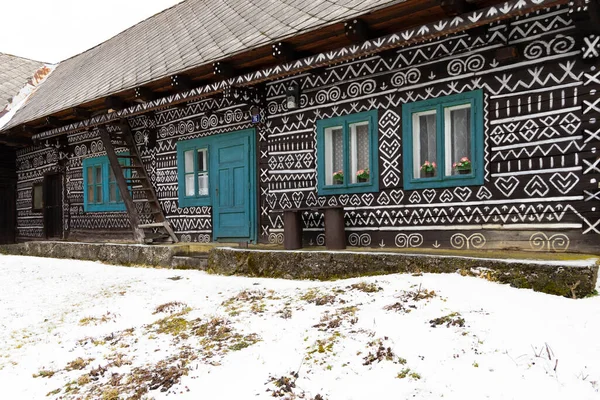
{"points": [[407, 300], [315, 296], [97, 320], [44, 373], [381, 353], [408, 373], [366, 287], [78, 364], [172, 307], [452, 319], [336, 319]]}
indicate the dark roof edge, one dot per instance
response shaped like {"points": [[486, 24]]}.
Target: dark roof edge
{"points": [[28, 59], [414, 35]]}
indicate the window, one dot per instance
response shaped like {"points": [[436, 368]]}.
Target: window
{"points": [[193, 177], [37, 202], [443, 141], [100, 189], [347, 154]]}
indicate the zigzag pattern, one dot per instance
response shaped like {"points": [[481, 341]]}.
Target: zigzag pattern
{"points": [[538, 150]]}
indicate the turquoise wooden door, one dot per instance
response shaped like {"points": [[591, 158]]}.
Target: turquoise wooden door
{"points": [[234, 201]]}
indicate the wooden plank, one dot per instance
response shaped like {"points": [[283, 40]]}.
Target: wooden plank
{"points": [[138, 234]]}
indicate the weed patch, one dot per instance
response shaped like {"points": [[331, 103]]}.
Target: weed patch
{"points": [[452, 319]]}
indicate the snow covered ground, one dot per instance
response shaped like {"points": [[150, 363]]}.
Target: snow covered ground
{"points": [[77, 329]]}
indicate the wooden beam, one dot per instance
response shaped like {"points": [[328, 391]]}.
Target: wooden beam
{"points": [[80, 113], [452, 8], [144, 94], [223, 69], [114, 103], [357, 30], [283, 51], [181, 82], [52, 121]]}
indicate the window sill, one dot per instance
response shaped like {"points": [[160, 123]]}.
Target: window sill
{"points": [[194, 201], [355, 188], [455, 181], [104, 207]]}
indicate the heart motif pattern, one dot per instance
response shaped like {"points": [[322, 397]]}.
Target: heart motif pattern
{"points": [[565, 183], [463, 193], [446, 196], [397, 196], [507, 186], [271, 200], [297, 198], [429, 195]]}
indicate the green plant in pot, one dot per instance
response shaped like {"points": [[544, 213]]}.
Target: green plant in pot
{"points": [[338, 177], [428, 169], [463, 166], [362, 175]]}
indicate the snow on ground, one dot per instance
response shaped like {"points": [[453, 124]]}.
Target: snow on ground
{"points": [[77, 329]]}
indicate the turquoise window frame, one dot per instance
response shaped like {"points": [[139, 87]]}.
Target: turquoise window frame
{"points": [[475, 99], [195, 145], [106, 205], [345, 121]]}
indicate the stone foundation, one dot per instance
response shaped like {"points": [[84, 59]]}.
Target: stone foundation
{"points": [[563, 278], [569, 278]]}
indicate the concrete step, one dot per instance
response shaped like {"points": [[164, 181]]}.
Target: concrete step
{"points": [[199, 262]]}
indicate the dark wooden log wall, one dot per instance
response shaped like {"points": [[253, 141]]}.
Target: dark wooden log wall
{"points": [[8, 181], [541, 132], [537, 193]]}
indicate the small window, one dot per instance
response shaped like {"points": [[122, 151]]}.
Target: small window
{"points": [[348, 160], [193, 172], [37, 202], [101, 191], [443, 141]]}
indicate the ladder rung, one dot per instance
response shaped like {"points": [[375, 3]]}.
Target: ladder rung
{"points": [[124, 156], [154, 225], [136, 189]]}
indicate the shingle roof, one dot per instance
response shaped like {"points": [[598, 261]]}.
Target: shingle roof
{"points": [[14, 73], [187, 35]]}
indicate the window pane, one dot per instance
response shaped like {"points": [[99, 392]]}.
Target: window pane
{"points": [[424, 144], [189, 161], [334, 151], [359, 152], [98, 194], [202, 160], [37, 197], [90, 193], [112, 193], [190, 190], [203, 184], [98, 171], [457, 134], [90, 176]]}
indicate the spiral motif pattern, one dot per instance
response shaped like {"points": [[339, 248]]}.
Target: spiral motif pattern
{"points": [[273, 107], [461, 241], [362, 240], [354, 89], [558, 242], [276, 238], [540, 48], [402, 78], [538, 241], [412, 240], [321, 239]]}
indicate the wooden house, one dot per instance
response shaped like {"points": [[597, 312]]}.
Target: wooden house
{"points": [[452, 124], [17, 76]]}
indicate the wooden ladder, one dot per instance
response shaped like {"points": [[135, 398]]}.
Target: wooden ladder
{"points": [[136, 189]]}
